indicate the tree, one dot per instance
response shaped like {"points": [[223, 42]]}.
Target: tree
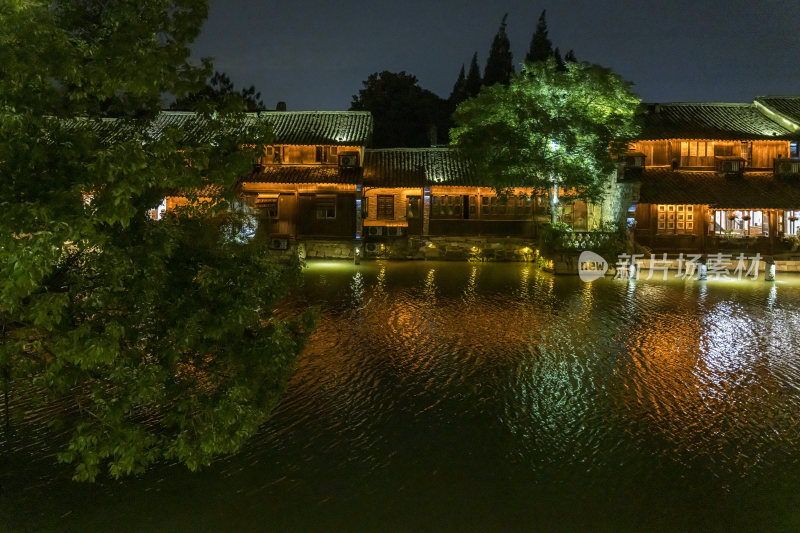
{"points": [[474, 80], [541, 48], [404, 113], [459, 92], [559, 60], [549, 129], [500, 63], [570, 57], [158, 334], [219, 91]]}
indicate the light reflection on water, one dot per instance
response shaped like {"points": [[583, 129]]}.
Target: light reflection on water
{"points": [[495, 397]]}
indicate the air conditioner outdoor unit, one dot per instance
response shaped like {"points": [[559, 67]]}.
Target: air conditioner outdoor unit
{"points": [[279, 244], [348, 160], [394, 231], [375, 230], [373, 247]]}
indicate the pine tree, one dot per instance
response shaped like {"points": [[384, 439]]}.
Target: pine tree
{"points": [[459, 93], [570, 57], [559, 61], [541, 48], [474, 81], [499, 64]]}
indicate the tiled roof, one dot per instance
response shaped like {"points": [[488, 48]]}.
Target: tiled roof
{"points": [[753, 190], [722, 121], [788, 106], [305, 174], [417, 167], [338, 128], [341, 128]]}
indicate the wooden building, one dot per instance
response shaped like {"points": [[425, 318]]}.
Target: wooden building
{"points": [[719, 176], [702, 177]]}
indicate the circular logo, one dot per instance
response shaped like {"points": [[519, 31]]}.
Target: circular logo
{"points": [[591, 266]]}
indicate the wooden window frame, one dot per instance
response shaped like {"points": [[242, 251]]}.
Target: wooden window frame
{"points": [[325, 206], [675, 219], [384, 208]]}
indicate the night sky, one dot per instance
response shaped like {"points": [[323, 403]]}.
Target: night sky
{"points": [[314, 54]]}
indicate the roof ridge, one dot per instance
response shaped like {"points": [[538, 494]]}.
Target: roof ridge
{"points": [[783, 96], [714, 104], [272, 111], [413, 149]]}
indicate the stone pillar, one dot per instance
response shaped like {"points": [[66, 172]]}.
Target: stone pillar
{"points": [[773, 229], [359, 222], [426, 211]]}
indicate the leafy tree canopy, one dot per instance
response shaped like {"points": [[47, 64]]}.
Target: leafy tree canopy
{"points": [[549, 126], [404, 112], [219, 91], [159, 334]]}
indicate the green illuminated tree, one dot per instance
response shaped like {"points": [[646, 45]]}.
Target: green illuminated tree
{"points": [[549, 128], [159, 336]]}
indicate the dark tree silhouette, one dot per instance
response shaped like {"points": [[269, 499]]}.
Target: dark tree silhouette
{"points": [[570, 57], [500, 63], [404, 113], [474, 80], [459, 93], [220, 93], [541, 48], [559, 60]]}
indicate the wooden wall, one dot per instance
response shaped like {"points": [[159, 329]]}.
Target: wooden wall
{"points": [[765, 151], [759, 154], [343, 226], [307, 155], [646, 231]]}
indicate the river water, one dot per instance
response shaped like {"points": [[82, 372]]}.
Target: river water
{"points": [[493, 397]]}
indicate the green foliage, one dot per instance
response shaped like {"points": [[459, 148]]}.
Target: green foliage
{"points": [[500, 63], [549, 126], [161, 334], [608, 240], [220, 93], [403, 111]]}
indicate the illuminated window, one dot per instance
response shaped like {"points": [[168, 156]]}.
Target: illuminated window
{"points": [[385, 207], [742, 223], [412, 209], [268, 205], [326, 206], [273, 154], [675, 219], [697, 153]]}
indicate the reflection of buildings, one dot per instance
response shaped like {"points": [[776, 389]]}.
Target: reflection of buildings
{"points": [[709, 176], [719, 176]]}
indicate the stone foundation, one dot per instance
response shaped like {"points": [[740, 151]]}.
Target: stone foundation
{"points": [[416, 248]]}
